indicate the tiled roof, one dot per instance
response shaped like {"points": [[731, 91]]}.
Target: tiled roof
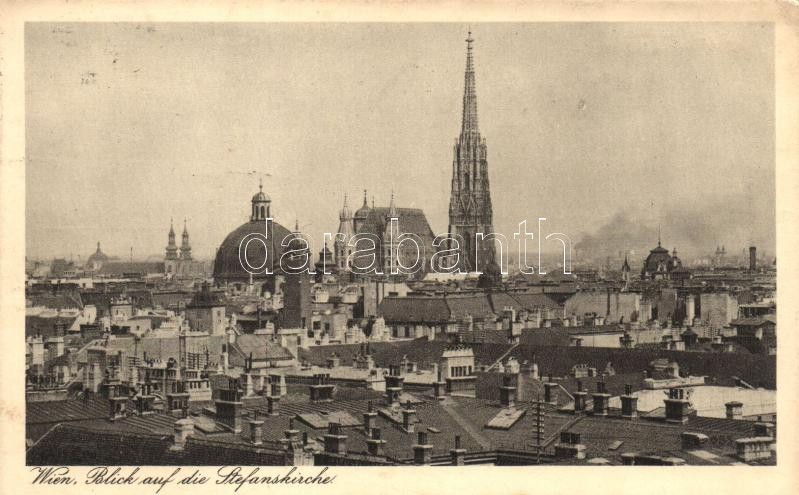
{"points": [[47, 327], [58, 301], [414, 310], [259, 347], [118, 268], [758, 370], [531, 301], [476, 305], [420, 351]]}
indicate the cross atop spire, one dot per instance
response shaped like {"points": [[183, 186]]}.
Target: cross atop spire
{"points": [[261, 184], [469, 124], [364, 198]]}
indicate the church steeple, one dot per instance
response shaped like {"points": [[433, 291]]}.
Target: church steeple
{"points": [[185, 247], [392, 208], [469, 121], [171, 247], [470, 210]]}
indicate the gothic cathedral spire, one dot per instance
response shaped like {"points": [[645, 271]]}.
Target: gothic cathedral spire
{"points": [[470, 210]]}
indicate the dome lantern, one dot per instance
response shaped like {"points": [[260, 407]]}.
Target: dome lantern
{"points": [[261, 205]]}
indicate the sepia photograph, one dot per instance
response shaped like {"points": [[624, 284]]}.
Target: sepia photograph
{"points": [[399, 244]]}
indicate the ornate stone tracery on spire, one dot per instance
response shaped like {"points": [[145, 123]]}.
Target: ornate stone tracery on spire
{"points": [[470, 210]]}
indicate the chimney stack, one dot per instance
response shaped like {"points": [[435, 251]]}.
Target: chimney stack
{"points": [[569, 446], [256, 429], [580, 398], [408, 417], [229, 406], [458, 454], [752, 258], [735, 410], [375, 443], [422, 451], [184, 428], [369, 420], [273, 405], [629, 403], [677, 406], [601, 399], [321, 390], [551, 392], [394, 384], [335, 441], [507, 392], [177, 400]]}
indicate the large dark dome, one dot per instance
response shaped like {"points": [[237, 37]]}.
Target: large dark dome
{"points": [[227, 266]]}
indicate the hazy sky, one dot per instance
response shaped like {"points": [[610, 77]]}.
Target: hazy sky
{"points": [[593, 126]]}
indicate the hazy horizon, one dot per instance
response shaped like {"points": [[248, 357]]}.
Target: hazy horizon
{"points": [[607, 130]]}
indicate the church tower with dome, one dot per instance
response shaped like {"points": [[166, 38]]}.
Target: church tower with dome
{"points": [[229, 269], [660, 264], [470, 210]]}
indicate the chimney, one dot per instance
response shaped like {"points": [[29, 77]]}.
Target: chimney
{"points": [[580, 398], [229, 406], [144, 400], [507, 392], [752, 258], [629, 403], [677, 406], [408, 417], [273, 405], [439, 386], [393, 385], [551, 392], [117, 408], [335, 441], [184, 428], [753, 449], [374, 443], [690, 310], [256, 429], [691, 440], [458, 454], [321, 390], [369, 420], [177, 400], [735, 410], [569, 446], [763, 429], [422, 451], [292, 434], [601, 399]]}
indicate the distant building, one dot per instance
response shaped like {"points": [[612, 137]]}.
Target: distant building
{"points": [[178, 262], [660, 264]]}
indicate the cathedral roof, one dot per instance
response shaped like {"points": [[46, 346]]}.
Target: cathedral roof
{"points": [[363, 211], [411, 221]]}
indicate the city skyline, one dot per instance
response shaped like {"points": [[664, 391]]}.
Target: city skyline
{"points": [[214, 171]]}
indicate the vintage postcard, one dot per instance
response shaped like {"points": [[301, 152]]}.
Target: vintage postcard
{"points": [[256, 249]]}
